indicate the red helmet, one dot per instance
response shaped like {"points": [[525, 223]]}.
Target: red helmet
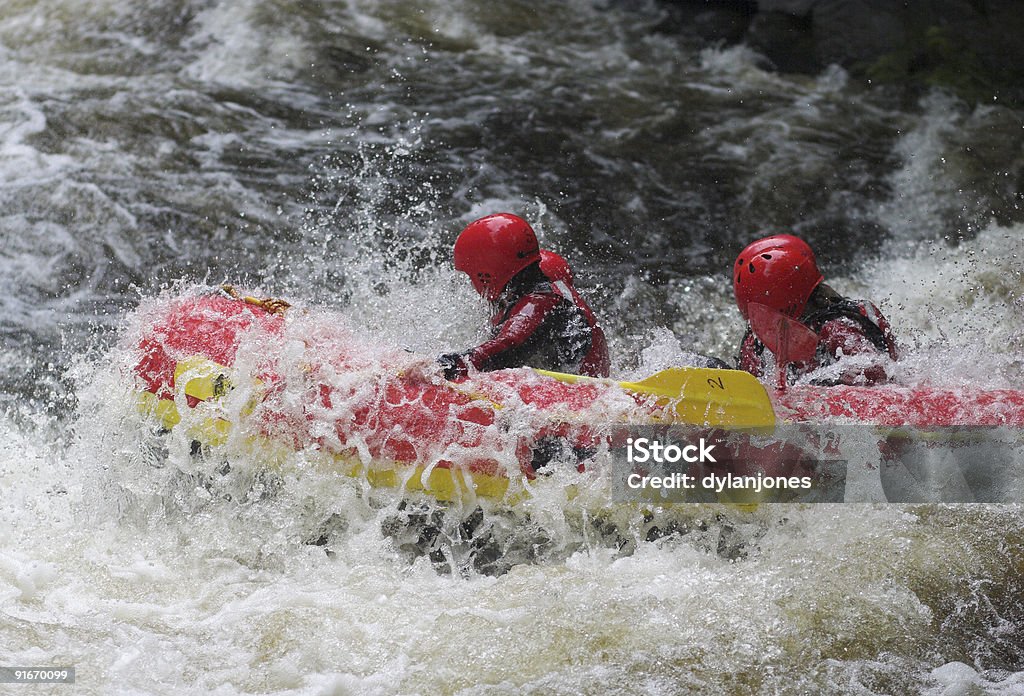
{"points": [[555, 267], [777, 271], [493, 249]]}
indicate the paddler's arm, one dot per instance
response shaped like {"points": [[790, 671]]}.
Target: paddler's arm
{"points": [[524, 320], [751, 356], [842, 337]]}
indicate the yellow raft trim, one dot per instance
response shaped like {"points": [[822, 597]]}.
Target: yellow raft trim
{"points": [[443, 483], [205, 380]]}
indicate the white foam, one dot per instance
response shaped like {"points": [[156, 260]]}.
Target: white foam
{"points": [[121, 554], [233, 46], [956, 310]]}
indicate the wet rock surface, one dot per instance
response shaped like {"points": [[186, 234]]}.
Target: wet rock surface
{"points": [[970, 47]]}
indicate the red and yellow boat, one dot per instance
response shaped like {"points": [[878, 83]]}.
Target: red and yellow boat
{"points": [[281, 381]]}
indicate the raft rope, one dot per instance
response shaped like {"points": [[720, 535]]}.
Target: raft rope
{"points": [[271, 305]]}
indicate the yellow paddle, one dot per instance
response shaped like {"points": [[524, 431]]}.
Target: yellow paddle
{"points": [[699, 396]]}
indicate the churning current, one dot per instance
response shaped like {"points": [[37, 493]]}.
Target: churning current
{"points": [[329, 152]]}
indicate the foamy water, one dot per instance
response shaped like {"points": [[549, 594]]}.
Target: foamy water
{"points": [[152, 584], [315, 153]]}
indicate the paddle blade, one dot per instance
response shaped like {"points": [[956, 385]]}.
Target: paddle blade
{"points": [[716, 398], [700, 396], [784, 336]]}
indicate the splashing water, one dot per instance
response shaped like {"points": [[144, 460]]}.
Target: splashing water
{"points": [[313, 152]]}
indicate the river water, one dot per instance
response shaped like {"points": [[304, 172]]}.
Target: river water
{"points": [[329, 152]]}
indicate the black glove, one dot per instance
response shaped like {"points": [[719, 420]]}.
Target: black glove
{"points": [[715, 363], [453, 365]]}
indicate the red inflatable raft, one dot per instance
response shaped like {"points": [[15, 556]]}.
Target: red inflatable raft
{"points": [[224, 368], [237, 370]]}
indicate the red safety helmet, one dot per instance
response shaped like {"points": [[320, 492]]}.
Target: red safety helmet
{"points": [[777, 271], [555, 267], [493, 249]]}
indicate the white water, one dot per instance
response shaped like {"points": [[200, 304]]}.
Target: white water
{"points": [[130, 565], [201, 595], [148, 581]]}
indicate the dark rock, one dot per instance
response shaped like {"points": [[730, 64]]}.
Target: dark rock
{"points": [[996, 39], [969, 47], [728, 25], [855, 31], [797, 8], [785, 40], [724, 21]]}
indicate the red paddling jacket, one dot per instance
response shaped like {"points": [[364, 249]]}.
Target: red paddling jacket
{"points": [[539, 323], [844, 327]]}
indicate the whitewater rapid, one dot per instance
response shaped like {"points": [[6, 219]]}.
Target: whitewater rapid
{"points": [[328, 153]]}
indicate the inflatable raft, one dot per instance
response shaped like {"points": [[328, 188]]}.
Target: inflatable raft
{"points": [[891, 406], [229, 369], [236, 370]]}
